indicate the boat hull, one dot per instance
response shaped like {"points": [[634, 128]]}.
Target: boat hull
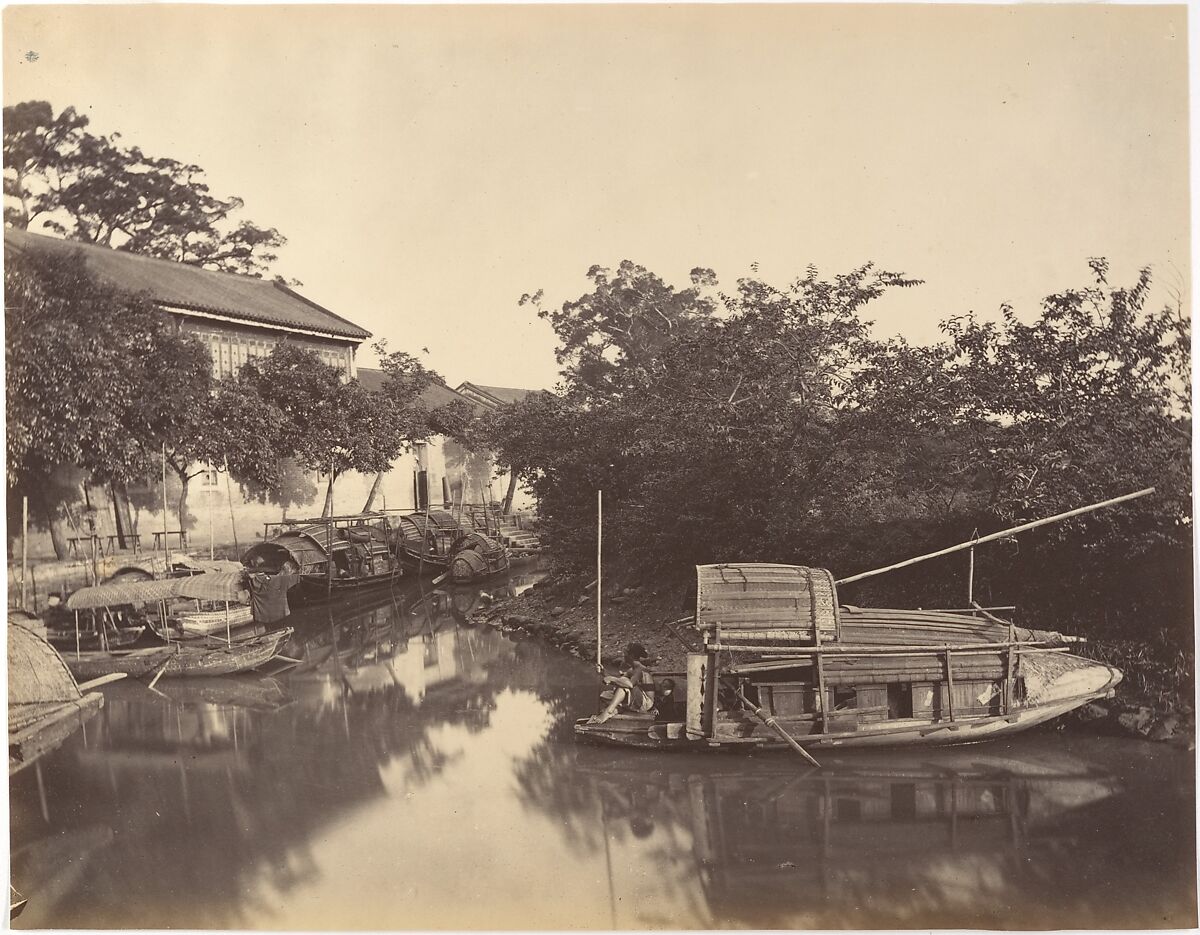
{"points": [[641, 731], [50, 730], [314, 588], [180, 660]]}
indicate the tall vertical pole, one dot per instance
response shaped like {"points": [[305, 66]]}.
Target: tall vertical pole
{"points": [[599, 570], [971, 578], [166, 538], [212, 538], [24, 545], [329, 541], [232, 520]]}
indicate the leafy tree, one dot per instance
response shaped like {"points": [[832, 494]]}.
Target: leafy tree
{"points": [[94, 377], [91, 188], [744, 410], [298, 407], [622, 325]]}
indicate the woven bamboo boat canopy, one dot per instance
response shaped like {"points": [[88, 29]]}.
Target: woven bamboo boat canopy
{"points": [[214, 586], [754, 596]]}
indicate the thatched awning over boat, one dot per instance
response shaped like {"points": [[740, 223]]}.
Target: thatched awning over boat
{"points": [[216, 586], [763, 601]]}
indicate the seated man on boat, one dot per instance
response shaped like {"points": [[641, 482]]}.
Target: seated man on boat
{"points": [[632, 690]]}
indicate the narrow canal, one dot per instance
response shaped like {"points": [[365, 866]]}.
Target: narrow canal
{"points": [[417, 772]]}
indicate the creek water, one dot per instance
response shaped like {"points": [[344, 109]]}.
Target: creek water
{"points": [[416, 772]]}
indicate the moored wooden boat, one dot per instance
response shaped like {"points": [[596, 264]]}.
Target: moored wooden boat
{"points": [[193, 658], [783, 664], [45, 704], [330, 555], [433, 542]]}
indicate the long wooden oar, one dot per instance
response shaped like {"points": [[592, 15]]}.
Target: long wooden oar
{"points": [[770, 721]]}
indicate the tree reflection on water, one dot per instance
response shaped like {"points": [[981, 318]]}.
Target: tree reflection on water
{"points": [[211, 803]]}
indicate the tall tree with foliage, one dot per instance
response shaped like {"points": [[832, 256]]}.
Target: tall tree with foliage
{"points": [[301, 408], [92, 188], [93, 377]]}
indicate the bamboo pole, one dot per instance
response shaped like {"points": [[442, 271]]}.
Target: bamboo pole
{"points": [[881, 650], [971, 576], [166, 537], [329, 538], [159, 674], [992, 537], [24, 545], [232, 520], [101, 680], [599, 571], [950, 684], [822, 699], [769, 721]]}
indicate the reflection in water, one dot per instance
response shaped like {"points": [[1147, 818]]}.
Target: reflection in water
{"points": [[415, 772]]}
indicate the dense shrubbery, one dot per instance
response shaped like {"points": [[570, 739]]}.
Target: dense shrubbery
{"points": [[767, 424]]}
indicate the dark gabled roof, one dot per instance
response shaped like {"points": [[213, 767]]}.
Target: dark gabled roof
{"points": [[434, 395], [500, 395], [178, 285]]}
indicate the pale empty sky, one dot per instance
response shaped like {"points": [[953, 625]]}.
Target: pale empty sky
{"points": [[431, 164]]}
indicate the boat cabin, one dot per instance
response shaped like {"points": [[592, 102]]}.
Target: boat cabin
{"points": [[357, 545], [784, 664]]}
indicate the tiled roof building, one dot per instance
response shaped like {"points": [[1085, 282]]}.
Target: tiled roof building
{"points": [[492, 396], [237, 317], [434, 395]]}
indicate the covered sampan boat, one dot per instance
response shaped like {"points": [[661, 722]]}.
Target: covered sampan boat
{"points": [[434, 542], [358, 546], [212, 655], [226, 589], [45, 704], [783, 664]]}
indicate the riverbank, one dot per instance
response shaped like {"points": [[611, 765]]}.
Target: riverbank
{"points": [[1154, 700]]}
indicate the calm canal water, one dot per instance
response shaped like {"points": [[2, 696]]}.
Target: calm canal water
{"points": [[416, 773]]}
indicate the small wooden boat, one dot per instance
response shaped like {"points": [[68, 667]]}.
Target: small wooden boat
{"points": [[434, 542], [192, 658], [358, 547], [112, 615], [45, 704], [784, 665]]}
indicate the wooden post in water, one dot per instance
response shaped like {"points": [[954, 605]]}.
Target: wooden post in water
{"points": [[599, 573]]}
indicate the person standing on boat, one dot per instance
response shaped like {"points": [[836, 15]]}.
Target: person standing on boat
{"points": [[632, 690]]}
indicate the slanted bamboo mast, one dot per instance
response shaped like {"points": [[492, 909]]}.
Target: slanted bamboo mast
{"points": [[992, 537]]}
